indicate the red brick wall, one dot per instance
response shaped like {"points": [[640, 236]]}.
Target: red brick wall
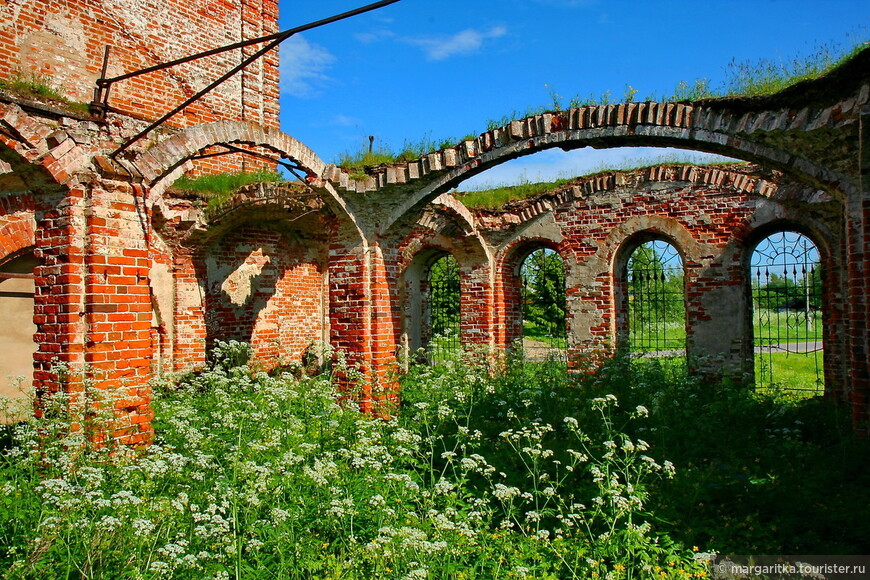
{"points": [[64, 40], [267, 289]]}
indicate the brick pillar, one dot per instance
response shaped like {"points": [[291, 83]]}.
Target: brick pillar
{"points": [[858, 269], [858, 279], [118, 309], [716, 316], [59, 294], [93, 307], [362, 319], [507, 304], [189, 348], [476, 304]]}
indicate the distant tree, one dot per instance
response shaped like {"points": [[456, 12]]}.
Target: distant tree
{"points": [[656, 284], [444, 295], [543, 279]]}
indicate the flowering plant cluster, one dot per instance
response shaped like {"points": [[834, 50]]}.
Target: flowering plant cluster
{"points": [[254, 475]]}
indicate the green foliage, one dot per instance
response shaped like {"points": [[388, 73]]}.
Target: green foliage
{"points": [[217, 188], [543, 278], [766, 77], [256, 476], [39, 88]]}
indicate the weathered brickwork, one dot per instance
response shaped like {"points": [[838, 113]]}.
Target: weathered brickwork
{"points": [[268, 290], [133, 280], [63, 41]]}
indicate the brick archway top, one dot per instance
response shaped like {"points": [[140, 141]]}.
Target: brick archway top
{"points": [[160, 159], [809, 131], [737, 178], [41, 160]]}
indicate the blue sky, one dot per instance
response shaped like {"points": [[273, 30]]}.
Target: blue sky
{"points": [[437, 70]]}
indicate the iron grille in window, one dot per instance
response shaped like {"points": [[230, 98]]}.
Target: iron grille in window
{"points": [[443, 309], [656, 300], [787, 322], [543, 295]]}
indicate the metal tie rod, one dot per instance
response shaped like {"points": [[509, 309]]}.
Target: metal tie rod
{"points": [[273, 40]]}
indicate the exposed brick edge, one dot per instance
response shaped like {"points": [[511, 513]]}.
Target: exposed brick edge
{"points": [[730, 178], [158, 160], [697, 117]]}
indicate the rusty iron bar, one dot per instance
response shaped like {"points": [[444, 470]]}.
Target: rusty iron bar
{"points": [[18, 275], [101, 94], [273, 40], [233, 149]]}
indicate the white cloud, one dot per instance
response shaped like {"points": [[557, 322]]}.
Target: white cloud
{"points": [[374, 36], [303, 67], [465, 42]]}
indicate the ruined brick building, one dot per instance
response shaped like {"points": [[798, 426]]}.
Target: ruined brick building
{"points": [[104, 268]]}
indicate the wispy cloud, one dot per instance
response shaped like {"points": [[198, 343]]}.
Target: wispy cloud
{"points": [[465, 42], [374, 35], [303, 67]]}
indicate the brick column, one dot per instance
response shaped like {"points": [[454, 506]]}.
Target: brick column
{"points": [[93, 307], [58, 294], [476, 304], [189, 349], [361, 319], [118, 309]]}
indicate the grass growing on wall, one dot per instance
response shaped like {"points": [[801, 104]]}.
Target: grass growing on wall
{"points": [[528, 473], [217, 188], [40, 88]]}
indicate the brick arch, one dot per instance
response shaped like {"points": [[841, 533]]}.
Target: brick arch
{"points": [[39, 163], [836, 369], [162, 162], [509, 261], [712, 127], [161, 159], [17, 234]]}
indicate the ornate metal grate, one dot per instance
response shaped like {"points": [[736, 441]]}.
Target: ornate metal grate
{"points": [[787, 323], [444, 295], [656, 300], [543, 295]]}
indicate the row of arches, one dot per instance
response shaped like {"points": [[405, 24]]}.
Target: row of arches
{"points": [[785, 293]]}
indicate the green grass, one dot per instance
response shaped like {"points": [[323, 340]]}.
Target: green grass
{"points": [[40, 88], [796, 373], [368, 155], [217, 188], [773, 326], [528, 472], [501, 195]]}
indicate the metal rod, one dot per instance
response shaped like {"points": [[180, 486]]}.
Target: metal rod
{"points": [[276, 39], [101, 93], [22, 275], [234, 149], [244, 43]]}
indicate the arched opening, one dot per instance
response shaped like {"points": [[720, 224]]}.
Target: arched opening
{"points": [[656, 300], [786, 278], [441, 298], [17, 344], [542, 280]]}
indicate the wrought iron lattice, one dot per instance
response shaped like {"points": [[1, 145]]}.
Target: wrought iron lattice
{"points": [[656, 300], [443, 309], [542, 278], [787, 323]]}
